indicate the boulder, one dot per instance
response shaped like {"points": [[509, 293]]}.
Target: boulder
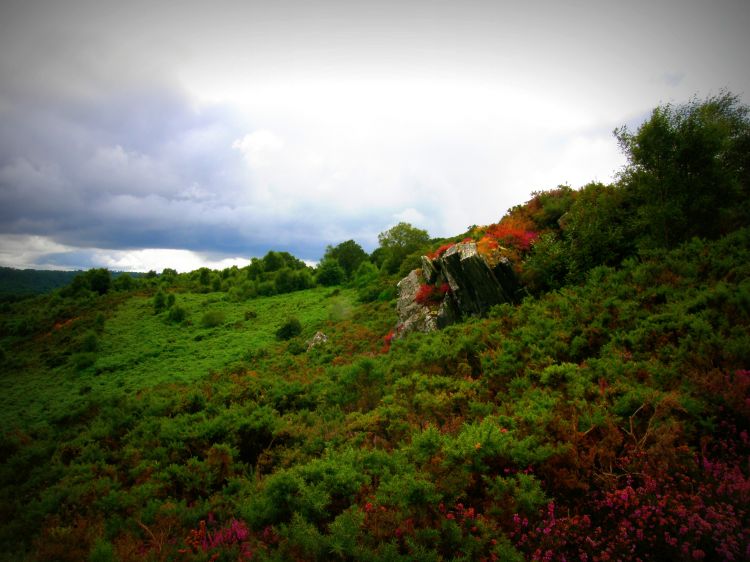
{"points": [[463, 283], [413, 316], [318, 339]]}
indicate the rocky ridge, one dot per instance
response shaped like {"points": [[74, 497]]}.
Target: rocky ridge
{"points": [[459, 282]]}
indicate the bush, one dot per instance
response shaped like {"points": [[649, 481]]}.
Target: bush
{"points": [[212, 318], [90, 342], [159, 302], [289, 329], [177, 314]]}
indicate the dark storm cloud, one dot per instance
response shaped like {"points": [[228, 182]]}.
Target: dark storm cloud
{"points": [[237, 127]]}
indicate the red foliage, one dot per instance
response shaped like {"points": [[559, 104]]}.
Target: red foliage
{"points": [[235, 533], [440, 251], [512, 235], [687, 515], [387, 341], [425, 295], [431, 294]]}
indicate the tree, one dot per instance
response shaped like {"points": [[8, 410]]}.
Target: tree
{"points": [[348, 254], [598, 229], [330, 273], [204, 276], [99, 280], [689, 169], [400, 241]]}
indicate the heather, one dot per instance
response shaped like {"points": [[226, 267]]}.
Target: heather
{"points": [[602, 414]]}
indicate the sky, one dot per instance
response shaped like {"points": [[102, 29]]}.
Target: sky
{"points": [[144, 135]]}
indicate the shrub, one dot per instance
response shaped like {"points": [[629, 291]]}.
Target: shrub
{"points": [[177, 314], [212, 318], [159, 302], [82, 361], [289, 329], [90, 342]]}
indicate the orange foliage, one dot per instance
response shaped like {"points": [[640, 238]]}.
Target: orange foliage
{"points": [[513, 230], [486, 245]]}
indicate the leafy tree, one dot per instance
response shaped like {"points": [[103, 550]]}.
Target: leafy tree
{"points": [[96, 280], [400, 241], [285, 281], [689, 169], [598, 228], [330, 273], [254, 269], [204, 276], [123, 282], [99, 280], [349, 254]]}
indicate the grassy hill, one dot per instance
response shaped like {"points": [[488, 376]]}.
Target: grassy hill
{"points": [[605, 415]]}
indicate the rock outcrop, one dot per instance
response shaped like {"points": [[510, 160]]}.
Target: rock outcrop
{"points": [[459, 283], [318, 339]]}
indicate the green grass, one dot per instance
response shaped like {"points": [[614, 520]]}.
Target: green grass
{"points": [[139, 349]]}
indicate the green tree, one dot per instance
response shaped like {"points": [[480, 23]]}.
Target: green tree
{"points": [[598, 228], [349, 254], [99, 280], [330, 273], [123, 282], [689, 169], [204, 277], [400, 241], [273, 261]]}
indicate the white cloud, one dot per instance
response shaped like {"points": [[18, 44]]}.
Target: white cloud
{"points": [[40, 252], [258, 147], [410, 215], [158, 258], [26, 252]]}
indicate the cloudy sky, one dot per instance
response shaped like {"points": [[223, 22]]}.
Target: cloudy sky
{"points": [[143, 135]]}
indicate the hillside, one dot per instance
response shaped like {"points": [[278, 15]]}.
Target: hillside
{"points": [[32, 281], [601, 413]]}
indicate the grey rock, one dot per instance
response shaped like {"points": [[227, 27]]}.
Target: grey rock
{"points": [[318, 339], [477, 283], [413, 317]]}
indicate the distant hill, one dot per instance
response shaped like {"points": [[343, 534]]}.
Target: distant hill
{"points": [[37, 281], [32, 281]]}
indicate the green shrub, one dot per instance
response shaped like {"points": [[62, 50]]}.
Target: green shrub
{"points": [[102, 551], [90, 342], [177, 314], [82, 361], [159, 302], [289, 329], [212, 318]]}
